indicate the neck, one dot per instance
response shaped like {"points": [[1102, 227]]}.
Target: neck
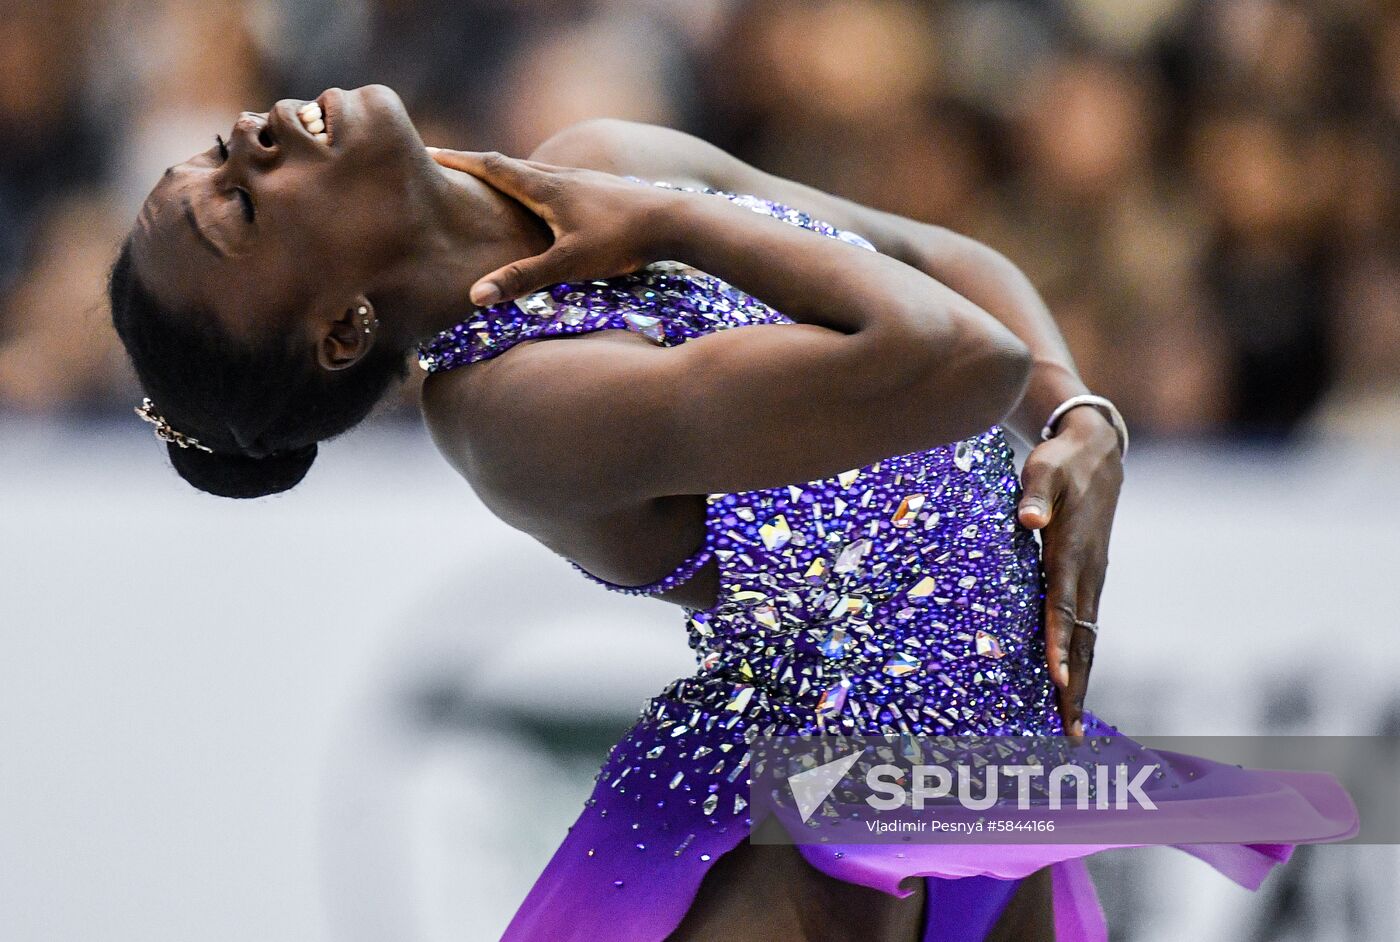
{"points": [[472, 231]]}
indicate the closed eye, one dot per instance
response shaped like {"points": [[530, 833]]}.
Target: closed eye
{"points": [[246, 199]]}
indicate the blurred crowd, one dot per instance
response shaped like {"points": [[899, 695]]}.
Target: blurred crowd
{"points": [[1207, 192]]}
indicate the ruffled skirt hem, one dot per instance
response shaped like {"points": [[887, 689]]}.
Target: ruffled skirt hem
{"points": [[632, 865]]}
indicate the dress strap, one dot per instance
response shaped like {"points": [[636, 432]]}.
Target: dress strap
{"points": [[678, 576]]}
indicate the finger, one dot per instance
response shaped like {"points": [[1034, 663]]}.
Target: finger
{"points": [[522, 180], [1041, 483], [526, 275], [448, 157], [522, 277], [1089, 583], [1060, 595], [1092, 573], [1081, 662]]}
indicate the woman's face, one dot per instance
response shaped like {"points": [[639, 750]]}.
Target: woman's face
{"points": [[279, 220]]}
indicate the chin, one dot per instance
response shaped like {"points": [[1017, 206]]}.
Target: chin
{"points": [[370, 119]]}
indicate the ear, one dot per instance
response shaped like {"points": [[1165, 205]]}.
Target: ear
{"points": [[348, 335]]}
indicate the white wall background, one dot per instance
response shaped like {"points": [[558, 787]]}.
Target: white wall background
{"points": [[293, 719]]}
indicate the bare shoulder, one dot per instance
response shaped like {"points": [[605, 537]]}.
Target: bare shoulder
{"points": [[526, 429], [453, 424], [632, 148], [465, 409]]}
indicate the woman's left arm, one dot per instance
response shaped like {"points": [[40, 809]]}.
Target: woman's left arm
{"points": [[1070, 483]]}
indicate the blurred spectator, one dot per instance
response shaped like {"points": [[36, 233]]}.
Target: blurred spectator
{"points": [[51, 148], [1205, 190], [1270, 272]]}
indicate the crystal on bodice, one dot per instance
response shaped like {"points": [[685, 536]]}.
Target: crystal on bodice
{"points": [[900, 597]]}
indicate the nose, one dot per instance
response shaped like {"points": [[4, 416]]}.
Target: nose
{"points": [[256, 138]]}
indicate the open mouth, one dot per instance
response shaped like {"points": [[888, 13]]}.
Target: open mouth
{"points": [[314, 120]]}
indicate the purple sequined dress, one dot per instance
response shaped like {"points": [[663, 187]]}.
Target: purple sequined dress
{"points": [[902, 597]]}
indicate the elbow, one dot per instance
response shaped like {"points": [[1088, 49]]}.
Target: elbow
{"points": [[1005, 363], [964, 359], [985, 369]]}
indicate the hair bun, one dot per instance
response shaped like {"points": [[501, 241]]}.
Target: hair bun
{"points": [[241, 476]]}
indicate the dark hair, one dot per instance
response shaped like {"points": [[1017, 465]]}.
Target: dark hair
{"points": [[261, 408]]}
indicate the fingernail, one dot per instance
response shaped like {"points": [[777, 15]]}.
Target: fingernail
{"points": [[1033, 507], [486, 293], [1064, 673], [434, 150], [1079, 727]]}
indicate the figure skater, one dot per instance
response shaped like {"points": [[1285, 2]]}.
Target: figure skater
{"points": [[779, 410]]}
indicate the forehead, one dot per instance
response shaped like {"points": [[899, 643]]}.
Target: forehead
{"points": [[177, 187], [188, 269], [174, 260]]}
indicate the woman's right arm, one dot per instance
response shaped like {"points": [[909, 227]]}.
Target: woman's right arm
{"points": [[883, 360]]}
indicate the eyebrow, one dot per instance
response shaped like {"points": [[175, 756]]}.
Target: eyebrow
{"points": [[198, 232]]}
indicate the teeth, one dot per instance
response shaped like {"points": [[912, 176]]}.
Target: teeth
{"points": [[314, 121]]}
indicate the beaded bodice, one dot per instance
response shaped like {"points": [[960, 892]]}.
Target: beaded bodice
{"points": [[902, 597]]}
